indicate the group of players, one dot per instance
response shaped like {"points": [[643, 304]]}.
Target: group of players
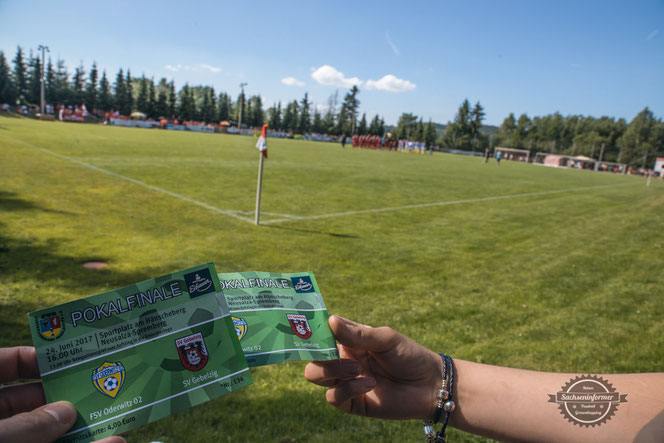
{"points": [[374, 142]]}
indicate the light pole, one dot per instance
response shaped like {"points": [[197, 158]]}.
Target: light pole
{"points": [[239, 123], [43, 49]]}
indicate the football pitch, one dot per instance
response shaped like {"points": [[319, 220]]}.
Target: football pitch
{"points": [[516, 265]]}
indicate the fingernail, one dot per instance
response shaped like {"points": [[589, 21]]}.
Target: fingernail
{"points": [[62, 411]]}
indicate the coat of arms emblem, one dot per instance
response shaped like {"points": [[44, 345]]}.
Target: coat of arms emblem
{"points": [[299, 325], [193, 352], [109, 378]]}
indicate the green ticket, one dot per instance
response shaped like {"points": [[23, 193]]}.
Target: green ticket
{"points": [[278, 317], [131, 356]]}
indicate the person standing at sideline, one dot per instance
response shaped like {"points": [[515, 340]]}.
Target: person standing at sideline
{"points": [[499, 155], [486, 155]]}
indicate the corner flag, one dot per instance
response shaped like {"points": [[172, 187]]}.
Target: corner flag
{"points": [[261, 146], [262, 142]]}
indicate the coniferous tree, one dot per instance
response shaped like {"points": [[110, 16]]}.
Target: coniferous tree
{"points": [[63, 93], [330, 119], [6, 87], [362, 128], [78, 85], [50, 84], [152, 99], [430, 134], [142, 96], [224, 108], [91, 88], [187, 109], [476, 118], [104, 94], [20, 77], [317, 125], [274, 117], [240, 109], [255, 111], [121, 103], [172, 100], [161, 105], [289, 122], [347, 119], [34, 80], [129, 93], [304, 121]]}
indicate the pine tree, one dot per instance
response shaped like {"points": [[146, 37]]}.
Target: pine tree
{"points": [[78, 85], [129, 93], [51, 84], [20, 78], [6, 87], [317, 126], [289, 122], [255, 111], [161, 106], [187, 109], [63, 92], [346, 123], [362, 128], [152, 100], [142, 97], [121, 95], [34, 80], [240, 109], [224, 110], [104, 93], [274, 117], [304, 121], [476, 117], [91, 88], [430, 134], [172, 100]]}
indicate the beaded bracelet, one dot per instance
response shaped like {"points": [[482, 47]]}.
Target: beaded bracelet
{"points": [[443, 394]]}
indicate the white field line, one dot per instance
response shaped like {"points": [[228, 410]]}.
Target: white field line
{"points": [[444, 203], [133, 180]]}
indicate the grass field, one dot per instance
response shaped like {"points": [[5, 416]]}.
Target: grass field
{"points": [[513, 265]]}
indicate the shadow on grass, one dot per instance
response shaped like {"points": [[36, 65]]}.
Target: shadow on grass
{"points": [[311, 231], [10, 202]]}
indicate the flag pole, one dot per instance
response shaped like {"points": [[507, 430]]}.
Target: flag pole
{"points": [[258, 188], [262, 154]]}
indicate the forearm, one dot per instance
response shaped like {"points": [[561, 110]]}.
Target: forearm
{"points": [[513, 404]]}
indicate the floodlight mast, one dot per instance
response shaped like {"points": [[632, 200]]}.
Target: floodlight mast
{"points": [[42, 48], [239, 123]]}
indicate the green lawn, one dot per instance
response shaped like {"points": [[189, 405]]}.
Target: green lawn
{"points": [[562, 281]]}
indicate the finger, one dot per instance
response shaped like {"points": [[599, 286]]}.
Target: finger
{"points": [[326, 373], [114, 439], [15, 399], [18, 362], [355, 335], [44, 424], [342, 395]]}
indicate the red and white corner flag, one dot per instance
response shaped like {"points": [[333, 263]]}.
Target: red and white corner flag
{"points": [[261, 145]]}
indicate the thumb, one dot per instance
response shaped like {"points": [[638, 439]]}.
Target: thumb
{"points": [[44, 424], [358, 336]]}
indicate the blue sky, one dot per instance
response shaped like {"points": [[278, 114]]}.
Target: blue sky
{"points": [[576, 57]]}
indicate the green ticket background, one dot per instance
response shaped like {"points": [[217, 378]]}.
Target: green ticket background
{"points": [[263, 301], [155, 383]]}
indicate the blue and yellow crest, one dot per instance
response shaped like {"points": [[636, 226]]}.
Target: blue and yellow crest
{"points": [[109, 378], [240, 327]]}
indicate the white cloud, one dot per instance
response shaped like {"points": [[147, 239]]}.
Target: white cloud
{"points": [[327, 75], [392, 45], [291, 81], [180, 67], [653, 34], [210, 68], [390, 83]]}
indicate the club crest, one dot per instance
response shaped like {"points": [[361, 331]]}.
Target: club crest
{"points": [[299, 325], [193, 352], [240, 327], [302, 284], [50, 326], [109, 378]]}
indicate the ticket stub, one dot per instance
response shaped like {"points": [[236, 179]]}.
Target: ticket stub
{"points": [[131, 356], [278, 317]]}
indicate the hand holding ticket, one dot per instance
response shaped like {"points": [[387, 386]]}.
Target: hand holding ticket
{"points": [[131, 356]]}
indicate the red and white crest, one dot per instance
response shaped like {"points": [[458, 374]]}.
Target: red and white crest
{"points": [[193, 352], [299, 325]]}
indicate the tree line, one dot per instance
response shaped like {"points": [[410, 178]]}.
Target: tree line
{"points": [[636, 143], [160, 99]]}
